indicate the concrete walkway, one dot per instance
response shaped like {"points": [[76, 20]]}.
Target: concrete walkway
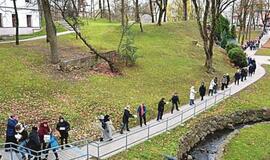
{"points": [[37, 38]]}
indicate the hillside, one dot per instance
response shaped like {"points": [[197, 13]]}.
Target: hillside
{"points": [[169, 62]]}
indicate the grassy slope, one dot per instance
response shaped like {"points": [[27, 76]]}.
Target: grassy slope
{"points": [[251, 144], [263, 52], [255, 96], [169, 63]]}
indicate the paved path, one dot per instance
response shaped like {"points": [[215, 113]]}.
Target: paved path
{"points": [[37, 38], [138, 134]]}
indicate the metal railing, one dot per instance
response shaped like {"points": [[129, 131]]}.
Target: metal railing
{"points": [[85, 149]]}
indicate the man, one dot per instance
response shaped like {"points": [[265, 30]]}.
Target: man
{"points": [[175, 101], [10, 132], [142, 113], [63, 127], [228, 80], [202, 91], [223, 82], [237, 77], [126, 117], [161, 105]]}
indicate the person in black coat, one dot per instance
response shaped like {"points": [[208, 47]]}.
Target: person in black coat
{"points": [[34, 143], [228, 80], [63, 127], [202, 90], [126, 117], [237, 77], [161, 105], [175, 102]]}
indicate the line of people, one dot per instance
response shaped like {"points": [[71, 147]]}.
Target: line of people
{"points": [[39, 138]]}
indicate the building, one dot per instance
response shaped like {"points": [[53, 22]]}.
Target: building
{"points": [[29, 19]]}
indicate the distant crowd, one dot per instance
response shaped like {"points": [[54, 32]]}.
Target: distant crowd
{"points": [[43, 137], [253, 44]]}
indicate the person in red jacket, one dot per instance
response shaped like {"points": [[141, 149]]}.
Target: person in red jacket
{"points": [[43, 130]]}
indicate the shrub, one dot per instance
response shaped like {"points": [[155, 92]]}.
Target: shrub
{"points": [[238, 57], [231, 46]]}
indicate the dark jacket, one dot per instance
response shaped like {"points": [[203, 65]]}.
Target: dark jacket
{"points": [[11, 123], [139, 110], [175, 99], [237, 76], [202, 90], [24, 135], [63, 128], [161, 105], [126, 116], [34, 141], [228, 79]]}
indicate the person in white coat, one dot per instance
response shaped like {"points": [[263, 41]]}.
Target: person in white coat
{"points": [[100, 125], [192, 95], [211, 87]]}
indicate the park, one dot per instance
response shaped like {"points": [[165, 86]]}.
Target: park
{"points": [[157, 79]]}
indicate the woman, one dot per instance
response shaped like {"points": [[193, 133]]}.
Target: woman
{"points": [[211, 88], [22, 138], [108, 130], [44, 130], [34, 143], [192, 95], [202, 91]]}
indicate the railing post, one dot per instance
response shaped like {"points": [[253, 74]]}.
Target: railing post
{"points": [[194, 110], [126, 141], [167, 124], [87, 152], [224, 94], [182, 116], [205, 107], [98, 152], [230, 91], [11, 153], [215, 99], [148, 136]]}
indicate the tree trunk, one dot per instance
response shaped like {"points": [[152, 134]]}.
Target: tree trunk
{"points": [[137, 14], [100, 8], [51, 31], [109, 10], [232, 13], [17, 22], [151, 11], [103, 8], [160, 16], [185, 14], [123, 13], [165, 10]]}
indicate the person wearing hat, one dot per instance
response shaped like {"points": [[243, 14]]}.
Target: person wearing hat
{"points": [[228, 80], [63, 127], [34, 144], [22, 138], [126, 117], [10, 132], [52, 145], [192, 95]]}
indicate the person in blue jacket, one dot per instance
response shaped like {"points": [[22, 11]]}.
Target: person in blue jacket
{"points": [[52, 145], [10, 132]]}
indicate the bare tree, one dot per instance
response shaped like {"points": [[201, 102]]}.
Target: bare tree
{"points": [[109, 10], [185, 12], [16, 22], [151, 11], [162, 8], [51, 31], [122, 13], [212, 10]]}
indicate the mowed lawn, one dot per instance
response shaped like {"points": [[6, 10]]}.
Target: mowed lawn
{"points": [[263, 52], [251, 143], [255, 96], [169, 62]]}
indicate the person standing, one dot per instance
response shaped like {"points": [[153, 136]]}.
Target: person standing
{"points": [[215, 85], [52, 145], [142, 113], [63, 127], [175, 102], [22, 138], [101, 126], [161, 105], [237, 77], [224, 82], [192, 96], [34, 144], [44, 130], [108, 130], [126, 117], [211, 88], [10, 132], [202, 91], [228, 80]]}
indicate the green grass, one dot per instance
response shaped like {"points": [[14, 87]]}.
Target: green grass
{"points": [[254, 97], [169, 63], [263, 52], [251, 144]]}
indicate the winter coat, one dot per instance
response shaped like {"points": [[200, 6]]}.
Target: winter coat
{"points": [[237, 76], [24, 136], [63, 128], [212, 84], [175, 99], [108, 131], [11, 123], [161, 105], [34, 141], [202, 90], [139, 110], [43, 131], [228, 79], [126, 116], [192, 93], [224, 80]]}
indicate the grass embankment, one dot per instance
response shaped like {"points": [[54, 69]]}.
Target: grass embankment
{"points": [[263, 52], [253, 97], [169, 63], [250, 144]]}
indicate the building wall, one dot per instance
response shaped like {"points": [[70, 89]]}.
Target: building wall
{"points": [[24, 9]]}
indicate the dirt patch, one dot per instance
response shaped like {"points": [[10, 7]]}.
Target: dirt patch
{"points": [[267, 44]]}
